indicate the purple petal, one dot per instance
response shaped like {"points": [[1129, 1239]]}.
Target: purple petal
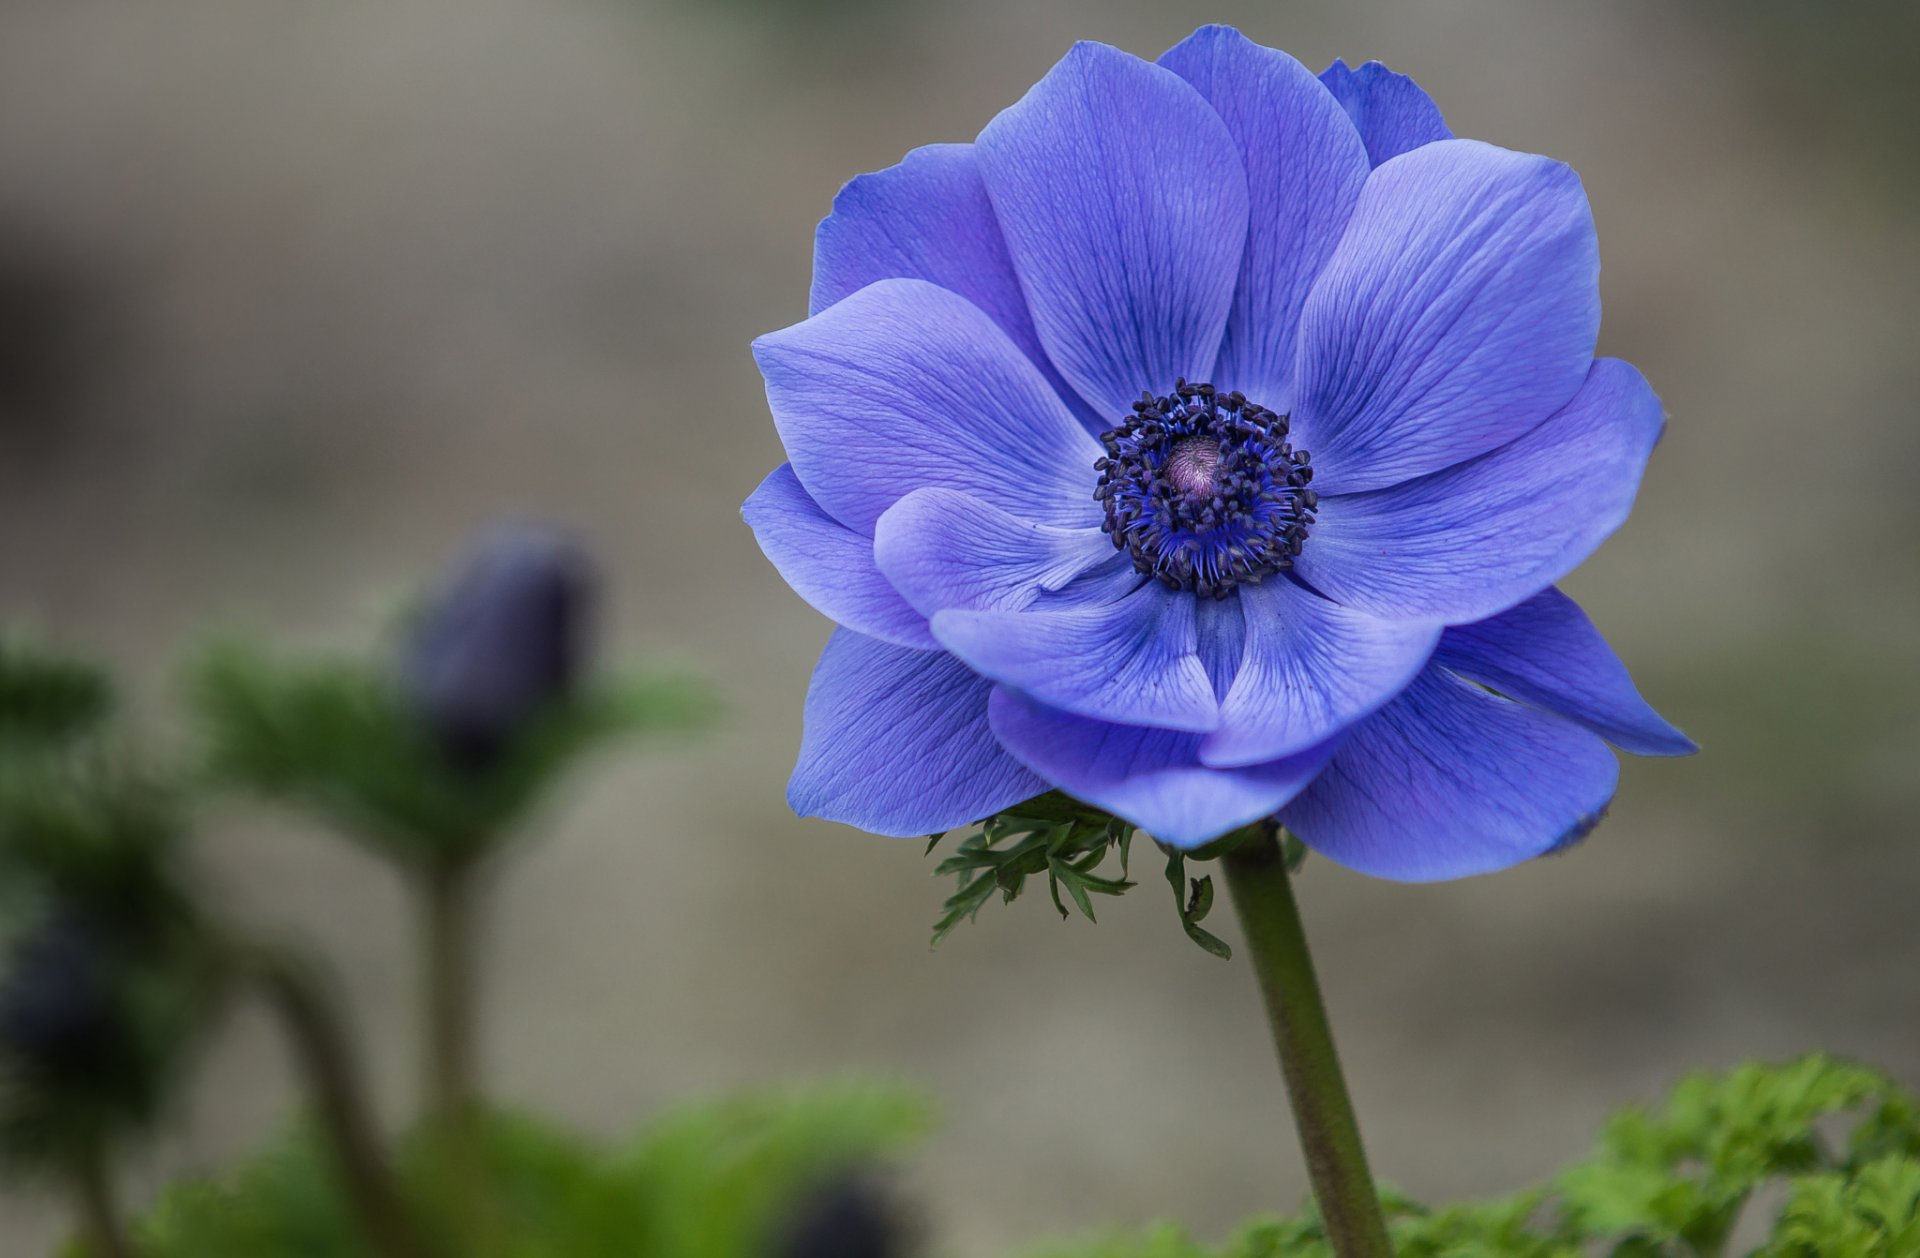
{"points": [[1305, 165], [1458, 311], [1311, 668], [943, 550], [1125, 209], [1448, 780], [829, 564], [928, 218], [1547, 653], [897, 743], [904, 385], [1135, 660], [1220, 636], [1152, 778], [1392, 113], [1473, 540]]}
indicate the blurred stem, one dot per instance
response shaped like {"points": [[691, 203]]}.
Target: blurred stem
{"points": [[447, 895], [1262, 891], [315, 1033], [99, 1216]]}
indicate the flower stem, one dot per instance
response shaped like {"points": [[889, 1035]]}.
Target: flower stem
{"points": [[1262, 891], [451, 1116], [315, 1034], [447, 973], [99, 1217]]}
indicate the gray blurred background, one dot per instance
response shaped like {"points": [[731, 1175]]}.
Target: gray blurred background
{"points": [[292, 297]]}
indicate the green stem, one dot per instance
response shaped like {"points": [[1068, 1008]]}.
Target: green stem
{"points": [[1262, 890], [316, 1037], [99, 1217], [447, 973], [448, 891]]}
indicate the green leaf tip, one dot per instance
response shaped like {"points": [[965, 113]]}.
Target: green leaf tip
{"points": [[1193, 899]]}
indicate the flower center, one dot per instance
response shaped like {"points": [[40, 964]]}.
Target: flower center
{"points": [[1191, 464], [1202, 489]]}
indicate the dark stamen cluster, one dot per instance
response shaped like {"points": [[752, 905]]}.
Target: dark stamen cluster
{"points": [[1202, 489]]}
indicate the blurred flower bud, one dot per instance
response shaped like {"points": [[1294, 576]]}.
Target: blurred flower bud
{"points": [[849, 1218], [503, 643], [59, 1016]]}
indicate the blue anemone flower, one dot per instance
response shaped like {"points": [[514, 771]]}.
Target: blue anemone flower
{"points": [[1205, 440]]}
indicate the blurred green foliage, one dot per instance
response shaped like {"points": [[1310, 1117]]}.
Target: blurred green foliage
{"points": [[713, 1181], [46, 698], [85, 829], [336, 737], [1840, 1143], [105, 977], [1874, 1210], [1672, 1183]]}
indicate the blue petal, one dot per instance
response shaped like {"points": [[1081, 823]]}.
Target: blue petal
{"points": [[829, 564], [1220, 637], [1305, 165], [943, 549], [1547, 653], [1135, 660], [897, 743], [1458, 311], [1473, 540], [904, 385], [1311, 668], [928, 218], [1449, 780], [1392, 113], [1125, 209], [1152, 778]]}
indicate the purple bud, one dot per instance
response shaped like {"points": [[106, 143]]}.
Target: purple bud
{"points": [[58, 1015], [503, 644], [847, 1219]]}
